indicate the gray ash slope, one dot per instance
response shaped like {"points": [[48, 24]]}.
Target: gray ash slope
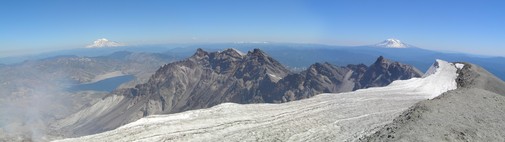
{"points": [[473, 112], [207, 79], [35, 93]]}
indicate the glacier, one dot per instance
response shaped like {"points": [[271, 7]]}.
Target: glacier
{"points": [[103, 42], [392, 43], [325, 117]]}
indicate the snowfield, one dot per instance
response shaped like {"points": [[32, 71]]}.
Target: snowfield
{"points": [[325, 117]]}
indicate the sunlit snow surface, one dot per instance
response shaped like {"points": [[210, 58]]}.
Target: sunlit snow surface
{"points": [[326, 117]]}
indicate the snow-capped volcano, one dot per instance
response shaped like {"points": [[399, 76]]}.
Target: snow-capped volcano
{"points": [[103, 42], [392, 43]]}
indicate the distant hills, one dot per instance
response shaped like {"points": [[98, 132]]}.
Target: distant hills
{"points": [[301, 56], [297, 57]]}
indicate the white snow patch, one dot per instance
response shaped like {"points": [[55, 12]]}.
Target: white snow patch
{"points": [[238, 51], [392, 43], [274, 76], [103, 42], [460, 65], [325, 117], [440, 78], [432, 69]]}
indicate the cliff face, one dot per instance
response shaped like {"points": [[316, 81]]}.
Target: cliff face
{"points": [[384, 71], [201, 81], [326, 78], [318, 78], [207, 79]]}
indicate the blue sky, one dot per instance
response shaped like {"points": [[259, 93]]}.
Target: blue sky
{"points": [[29, 26]]}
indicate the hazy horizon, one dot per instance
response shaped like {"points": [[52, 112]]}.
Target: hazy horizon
{"points": [[457, 26]]}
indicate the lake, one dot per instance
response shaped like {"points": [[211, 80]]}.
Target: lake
{"points": [[109, 84]]}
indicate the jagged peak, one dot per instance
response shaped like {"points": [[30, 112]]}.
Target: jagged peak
{"points": [[356, 65], [256, 52], [200, 53], [318, 65], [237, 51], [381, 60], [433, 68], [233, 52]]}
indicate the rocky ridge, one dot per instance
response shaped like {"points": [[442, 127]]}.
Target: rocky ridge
{"points": [[473, 112], [207, 79]]}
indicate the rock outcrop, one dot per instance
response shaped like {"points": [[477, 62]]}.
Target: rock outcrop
{"points": [[384, 71], [207, 79], [326, 78], [473, 112]]}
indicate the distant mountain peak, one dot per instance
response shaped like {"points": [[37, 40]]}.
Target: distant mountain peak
{"points": [[200, 53], [238, 51], [233, 52], [381, 59], [103, 42], [257, 52], [392, 43]]}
